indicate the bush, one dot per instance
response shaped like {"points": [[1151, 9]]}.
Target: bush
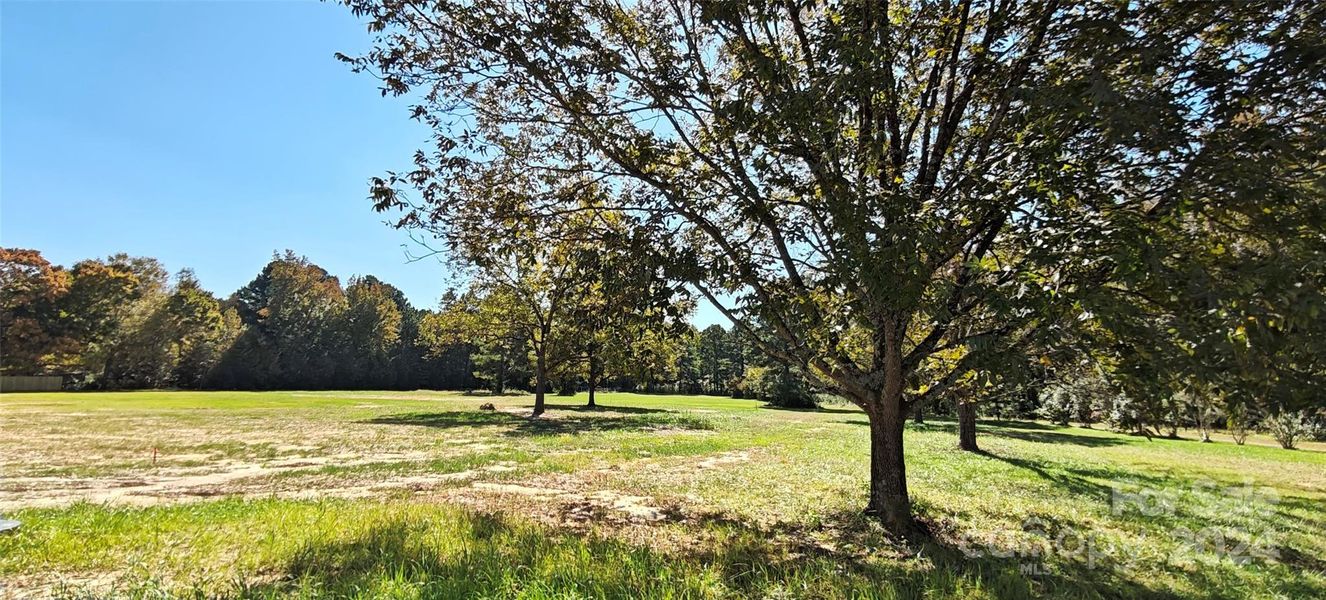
{"points": [[1059, 405], [1086, 396], [1287, 428], [1239, 421], [1127, 414], [1316, 427]]}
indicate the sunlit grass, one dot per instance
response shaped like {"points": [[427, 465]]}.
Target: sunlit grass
{"points": [[761, 503]]}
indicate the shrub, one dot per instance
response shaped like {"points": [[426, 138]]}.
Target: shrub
{"points": [[1239, 418], [1287, 428], [1059, 405], [1127, 414], [1317, 428]]}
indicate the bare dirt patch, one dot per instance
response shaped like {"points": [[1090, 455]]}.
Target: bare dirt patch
{"points": [[725, 458], [224, 478], [578, 506]]}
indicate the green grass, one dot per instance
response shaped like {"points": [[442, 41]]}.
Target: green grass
{"points": [[750, 502]]}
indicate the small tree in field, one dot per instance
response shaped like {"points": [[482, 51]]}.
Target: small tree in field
{"points": [[621, 299], [528, 299], [1205, 404], [897, 193], [567, 287], [1287, 427], [1058, 405], [1238, 419]]}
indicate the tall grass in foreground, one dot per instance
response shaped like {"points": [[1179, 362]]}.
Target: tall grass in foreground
{"points": [[346, 549]]}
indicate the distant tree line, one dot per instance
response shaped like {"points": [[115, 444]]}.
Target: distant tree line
{"points": [[124, 323]]}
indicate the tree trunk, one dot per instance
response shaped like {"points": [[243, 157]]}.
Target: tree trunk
{"points": [[918, 413], [967, 426], [499, 386], [540, 378], [1203, 419], [889, 501], [593, 378]]}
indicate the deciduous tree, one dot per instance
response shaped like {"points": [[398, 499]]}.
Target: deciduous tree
{"points": [[37, 336], [872, 180]]}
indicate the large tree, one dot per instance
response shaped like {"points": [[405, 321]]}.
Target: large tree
{"points": [[201, 329], [874, 181], [372, 324], [294, 335], [112, 302], [35, 333]]}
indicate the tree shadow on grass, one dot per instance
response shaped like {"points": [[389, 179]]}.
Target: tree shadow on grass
{"points": [[1053, 437], [1064, 479], [930, 425], [820, 409], [521, 426], [603, 408], [1175, 506], [469, 555], [1032, 431], [1021, 430], [465, 554]]}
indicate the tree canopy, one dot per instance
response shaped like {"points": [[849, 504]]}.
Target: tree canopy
{"points": [[898, 192]]}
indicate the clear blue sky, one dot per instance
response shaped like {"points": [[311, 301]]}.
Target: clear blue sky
{"points": [[205, 134]]}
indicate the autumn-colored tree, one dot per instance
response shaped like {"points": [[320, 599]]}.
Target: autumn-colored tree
{"points": [[34, 333], [292, 315]]}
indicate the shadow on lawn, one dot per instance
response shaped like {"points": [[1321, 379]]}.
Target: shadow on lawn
{"points": [[586, 420], [857, 550], [819, 409], [1128, 496], [600, 408], [1029, 431], [1051, 437], [846, 555]]}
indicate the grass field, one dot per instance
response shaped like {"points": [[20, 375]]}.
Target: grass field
{"points": [[423, 495]]}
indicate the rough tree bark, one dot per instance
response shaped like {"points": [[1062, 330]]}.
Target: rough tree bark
{"points": [[967, 426], [593, 378], [540, 373], [889, 501]]}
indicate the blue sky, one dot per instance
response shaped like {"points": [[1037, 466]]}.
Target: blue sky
{"points": [[205, 134]]}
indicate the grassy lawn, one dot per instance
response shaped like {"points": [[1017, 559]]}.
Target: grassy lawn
{"points": [[423, 495]]}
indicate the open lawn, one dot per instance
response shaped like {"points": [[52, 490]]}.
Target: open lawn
{"points": [[421, 494]]}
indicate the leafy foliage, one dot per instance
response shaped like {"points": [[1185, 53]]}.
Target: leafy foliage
{"points": [[904, 193]]}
